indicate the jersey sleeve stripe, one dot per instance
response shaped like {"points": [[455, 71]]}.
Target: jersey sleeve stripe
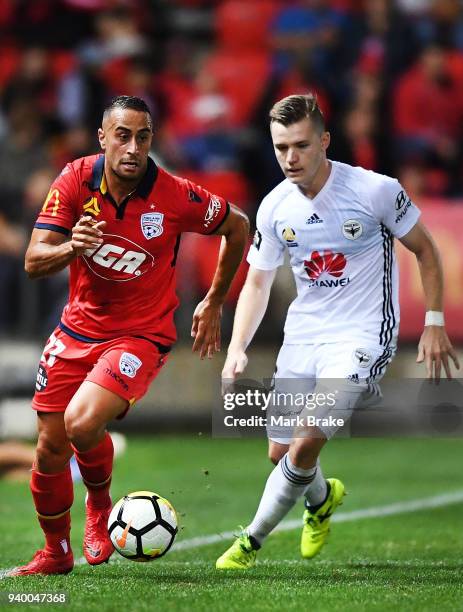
{"points": [[227, 212], [53, 228]]}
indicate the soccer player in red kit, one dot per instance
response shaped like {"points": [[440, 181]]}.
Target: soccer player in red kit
{"points": [[116, 219]]}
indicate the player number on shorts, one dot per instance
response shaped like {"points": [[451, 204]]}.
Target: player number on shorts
{"points": [[53, 347]]}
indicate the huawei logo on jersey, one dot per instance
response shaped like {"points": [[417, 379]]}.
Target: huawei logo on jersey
{"points": [[332, 264], [118, 259]]}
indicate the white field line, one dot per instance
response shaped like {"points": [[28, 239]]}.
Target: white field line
{"points": [[342, 517], [437, 501]]}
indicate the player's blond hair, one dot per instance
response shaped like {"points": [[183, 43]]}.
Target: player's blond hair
{"points": [[294, 108]]}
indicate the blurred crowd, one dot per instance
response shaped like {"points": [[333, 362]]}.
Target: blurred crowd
{"points": [[388, 75]]}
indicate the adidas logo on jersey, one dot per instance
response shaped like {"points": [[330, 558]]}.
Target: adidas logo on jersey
{"points": [[314, 219]]}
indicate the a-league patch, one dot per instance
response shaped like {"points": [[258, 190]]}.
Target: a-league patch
{"points": [[129, 364], [362, 357], [42, 379], [151, 224]]}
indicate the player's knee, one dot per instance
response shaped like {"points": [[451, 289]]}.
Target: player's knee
{"points": [[304, 452], [275, 454], [51, 456], [81, 430]]}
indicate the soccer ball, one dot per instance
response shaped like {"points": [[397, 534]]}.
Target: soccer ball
{"points": [[142, 526]]}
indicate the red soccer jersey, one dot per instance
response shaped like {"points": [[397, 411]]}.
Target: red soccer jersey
{"points": [[126, 286]]}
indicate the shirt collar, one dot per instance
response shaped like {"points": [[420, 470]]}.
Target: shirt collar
{"points": [[144, 187]]}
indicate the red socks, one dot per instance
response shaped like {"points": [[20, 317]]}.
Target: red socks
{"points": [[96, 467], [53, 496], [53, 493]]}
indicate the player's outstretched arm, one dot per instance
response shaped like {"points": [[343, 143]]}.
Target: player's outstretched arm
{"points": [[251, 307], [49, 252], [434, 347], [207, 316]]}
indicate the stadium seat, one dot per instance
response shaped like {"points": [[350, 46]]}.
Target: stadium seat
{"points": [[11, 58], [114, 75], [242, 77], [62, 62], [240, 24]]}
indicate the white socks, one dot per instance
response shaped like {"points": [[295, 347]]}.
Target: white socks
{"points": [[284, 486], [316, 491]]}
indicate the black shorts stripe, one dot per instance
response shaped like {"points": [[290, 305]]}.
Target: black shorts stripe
{"points": [[380, 364]]}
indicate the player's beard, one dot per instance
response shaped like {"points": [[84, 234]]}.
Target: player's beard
{"points": [[130, 179]]}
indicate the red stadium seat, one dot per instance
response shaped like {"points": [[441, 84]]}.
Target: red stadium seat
{"points": [[241, 24], [11, 58], [242, 77], [62, 62], [114, 75]]}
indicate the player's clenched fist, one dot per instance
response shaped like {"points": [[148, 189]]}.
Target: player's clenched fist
{"points": [[86, 234]]}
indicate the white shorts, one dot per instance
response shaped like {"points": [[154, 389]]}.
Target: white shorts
{"points": [[346, 373]]}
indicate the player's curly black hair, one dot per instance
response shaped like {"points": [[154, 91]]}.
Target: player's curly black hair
{"points": [[294, 108], [128, 102]]}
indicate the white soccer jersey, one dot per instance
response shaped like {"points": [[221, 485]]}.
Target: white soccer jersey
{"points": [[340, 245]]}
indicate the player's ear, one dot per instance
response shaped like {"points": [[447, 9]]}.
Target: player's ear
{"points": [[325, 140], [101, 138]]}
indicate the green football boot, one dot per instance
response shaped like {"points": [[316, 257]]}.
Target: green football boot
{"points": [[317, 524], [240, 555]]}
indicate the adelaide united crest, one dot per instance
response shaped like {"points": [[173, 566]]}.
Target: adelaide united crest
{"points": [[151, 224]]}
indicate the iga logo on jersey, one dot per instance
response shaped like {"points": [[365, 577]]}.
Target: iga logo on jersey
{"points": [[212, 211], [119, 260], [129, 364], [352, 229], [326, 263], [151, 224]]}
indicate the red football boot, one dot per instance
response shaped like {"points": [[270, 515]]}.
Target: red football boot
{"points": [[45, 563], [97, 545]]}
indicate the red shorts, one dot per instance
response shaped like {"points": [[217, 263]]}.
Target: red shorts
{"points": [[126, 366]]}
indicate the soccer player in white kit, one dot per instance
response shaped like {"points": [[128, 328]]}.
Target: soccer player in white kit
{"points": [[338, 224]]}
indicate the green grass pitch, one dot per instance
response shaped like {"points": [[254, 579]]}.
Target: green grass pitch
{"points": [[408, 561]]}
